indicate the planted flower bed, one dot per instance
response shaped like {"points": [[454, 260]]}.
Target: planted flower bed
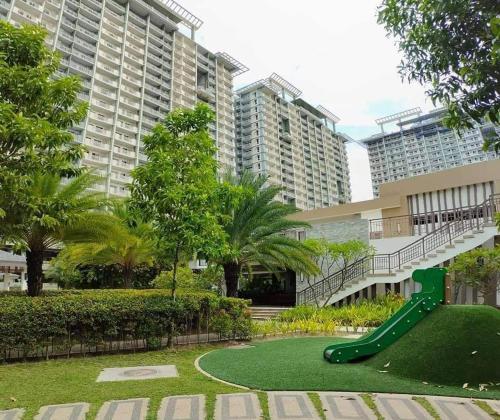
{"points": [[312, 320]]}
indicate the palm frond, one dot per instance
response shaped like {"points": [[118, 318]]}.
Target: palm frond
{"points": [[258, 226]]}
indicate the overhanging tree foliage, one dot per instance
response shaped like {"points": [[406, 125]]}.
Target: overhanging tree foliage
{"points": [[452, 47], [176, 188], [36, 112]]}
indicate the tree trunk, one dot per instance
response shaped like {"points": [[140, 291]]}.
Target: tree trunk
{"points": [[127, 278], [34, 263], [174, 272], [489, 292], [231, 275]]}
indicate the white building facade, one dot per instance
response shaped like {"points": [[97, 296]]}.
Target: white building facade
{"points": [[422, 145], [136, 66], [294, 143]]}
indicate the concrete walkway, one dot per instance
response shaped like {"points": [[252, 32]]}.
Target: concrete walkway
{"points": [[283, 405]]}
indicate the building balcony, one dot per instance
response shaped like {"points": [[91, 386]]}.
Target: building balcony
{"points": [[103, 105], [130, 103], [107, 69], [99, 118], [97, 144], [130, 91], [129, 115], [91, 128], [89, 10], [125, 139], [128, 127], [88, 47], [96, 158], [126, 179], [113, 26], [105, 80]]}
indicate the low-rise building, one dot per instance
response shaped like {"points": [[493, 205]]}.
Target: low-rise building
{"points": [[418, 222]]}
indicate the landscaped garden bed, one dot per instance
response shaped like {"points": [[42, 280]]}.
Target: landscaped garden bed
{"points": [[329, 320], [91, 321]]}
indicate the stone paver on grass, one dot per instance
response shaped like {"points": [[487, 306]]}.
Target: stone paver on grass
{"points": [[285, 405], [73, 411], [14, 414], [345, 406], [494, 404], [401, 407], [133, 409], [450, 408], [137, 373], [182, 407], [244, 406]]}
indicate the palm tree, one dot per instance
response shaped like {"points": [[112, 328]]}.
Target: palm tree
{"points": [[129, 245], [62, 212], [256, 227]]}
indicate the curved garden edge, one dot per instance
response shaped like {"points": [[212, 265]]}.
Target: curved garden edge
{"points": [[208, 375]]}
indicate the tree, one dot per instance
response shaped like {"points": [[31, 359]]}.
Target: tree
{"points": [[479, 269], [256, 230], [36, 112], [131, 244], [332, 257], [176, 188], [185, 279], [59, 213], [452, 47]]}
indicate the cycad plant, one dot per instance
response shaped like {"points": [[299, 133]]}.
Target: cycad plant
{"points": [[130, 244], [257, 231], [61, 213]]}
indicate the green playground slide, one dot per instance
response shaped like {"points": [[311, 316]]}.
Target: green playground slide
{"points": [[420, 304]]}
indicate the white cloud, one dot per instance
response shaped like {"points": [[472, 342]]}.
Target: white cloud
{"points": [[333, 50]]}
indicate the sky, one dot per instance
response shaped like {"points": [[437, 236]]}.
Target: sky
{"points": [[332, 50]]}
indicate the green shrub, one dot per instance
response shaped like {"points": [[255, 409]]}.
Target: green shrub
{"points": [[105, 320], [366, 313]]}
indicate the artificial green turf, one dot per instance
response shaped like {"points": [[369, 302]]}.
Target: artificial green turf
{"points": [[32, 385], [441, 348], [297, 363]]}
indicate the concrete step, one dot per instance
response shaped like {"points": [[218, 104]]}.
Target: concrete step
{"points": [[459, 241], [266, 312], [449, 246], [468, 236], [441, 251]]}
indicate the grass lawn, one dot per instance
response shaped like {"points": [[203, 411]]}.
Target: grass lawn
{"points": [[62, 381], [426, 354], [452, 346]]}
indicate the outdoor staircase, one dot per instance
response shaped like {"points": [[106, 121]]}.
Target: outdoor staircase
{"points": [[262, 313], [471, 227]]}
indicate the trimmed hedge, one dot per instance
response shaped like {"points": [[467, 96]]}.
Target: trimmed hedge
{"points": [[83, 321]]}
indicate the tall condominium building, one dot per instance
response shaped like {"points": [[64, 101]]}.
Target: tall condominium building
{"points": [[136, 65], [294, 143], [422, 145]]}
